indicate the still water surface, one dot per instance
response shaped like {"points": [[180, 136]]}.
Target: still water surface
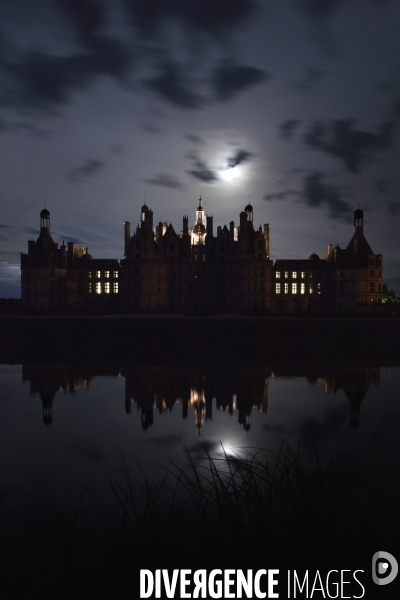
{"points": [[68, 429]]}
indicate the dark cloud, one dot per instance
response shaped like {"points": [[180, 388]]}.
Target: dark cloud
{"points": [[31, 230], [41, 81], [194, 138], [78, 241], [172, 85], [353, 147], [203, 172], [318, 8], [281, 195], [240, 157], [90, 168], [288, 128], [316, 193], [209, 17], [23, 127], [381, 185], [166, 181], [229, 79], [88, 19], [36, 77], [311, 78]]}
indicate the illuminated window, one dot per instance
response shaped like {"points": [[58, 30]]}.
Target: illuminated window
{"points": [[277, 288], [294, 288], [294, 275], [107, 288], [89, 274], [302, 288], [98, 287], [106, 274], [310, 275], [311, 288], [319, 288], [286, 274], [115, 287], [98, 274], [303, 274], [286, 288], [278, 274], [89, 288], [115, 274]]}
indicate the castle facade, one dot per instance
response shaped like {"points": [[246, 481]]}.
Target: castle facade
{"points": [[198, 270]]}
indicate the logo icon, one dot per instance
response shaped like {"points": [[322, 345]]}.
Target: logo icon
{"points": [[384, 568]]}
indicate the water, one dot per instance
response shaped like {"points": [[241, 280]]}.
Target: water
{"points": [[67, 430]]}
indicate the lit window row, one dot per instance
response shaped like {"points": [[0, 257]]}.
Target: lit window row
{"points": [[294, 288], [103, 288], [106, 274], [293, 274]]}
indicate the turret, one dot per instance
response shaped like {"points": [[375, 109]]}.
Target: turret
{"points": [[358, 220], [185, 226], [249, 212], [200, 212], [45, 219]]}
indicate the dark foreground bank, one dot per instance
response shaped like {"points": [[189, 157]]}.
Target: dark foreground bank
{"points": [[292, 512], [302, 341]]}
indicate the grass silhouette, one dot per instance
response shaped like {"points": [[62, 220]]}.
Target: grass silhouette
{"points": [[254, 509]]}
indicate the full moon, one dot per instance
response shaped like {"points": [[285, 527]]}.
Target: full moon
{"points": [[231, 173]]}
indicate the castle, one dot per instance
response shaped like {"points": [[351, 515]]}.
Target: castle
{"points": [[198, 270]]}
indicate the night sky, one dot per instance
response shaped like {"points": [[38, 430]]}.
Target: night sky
{"points": [[105, 105]]}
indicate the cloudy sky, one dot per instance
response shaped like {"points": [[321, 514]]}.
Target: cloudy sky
{"points": [[105, 104]]}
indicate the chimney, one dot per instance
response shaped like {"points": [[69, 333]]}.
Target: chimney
{"points": [[232, 230], [210, 226], [266, 237], [127, 236]]}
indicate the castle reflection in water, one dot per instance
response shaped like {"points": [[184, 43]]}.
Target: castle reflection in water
{"points": [[201, 390]]}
